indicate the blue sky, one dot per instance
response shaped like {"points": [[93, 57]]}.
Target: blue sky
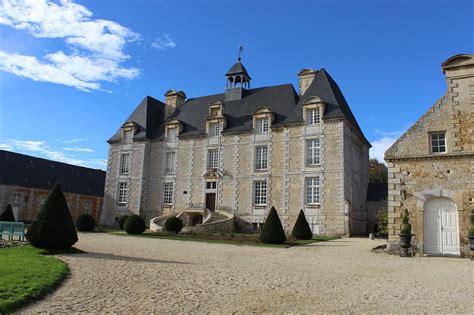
{"points": [[72, 72]]}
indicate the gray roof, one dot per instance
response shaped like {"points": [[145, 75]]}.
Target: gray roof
{"points": [[282, 100], [147, 117], [237, 68], [32, 172]]}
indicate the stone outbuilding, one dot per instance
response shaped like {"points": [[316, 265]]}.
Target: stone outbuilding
{"points": [[431, 168], [26, 181]]}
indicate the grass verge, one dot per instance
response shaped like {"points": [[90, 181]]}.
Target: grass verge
{"points": [[228, 238], [26, 275]]}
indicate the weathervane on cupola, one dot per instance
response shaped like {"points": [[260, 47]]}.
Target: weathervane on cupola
{"points": [[238, 80]]}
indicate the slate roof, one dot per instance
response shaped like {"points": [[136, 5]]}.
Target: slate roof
{"points": [[32, 172], [282, 100], [237, 68]]}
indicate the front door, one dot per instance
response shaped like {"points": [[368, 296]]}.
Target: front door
{"points": [[441, 234], [211, 201]]}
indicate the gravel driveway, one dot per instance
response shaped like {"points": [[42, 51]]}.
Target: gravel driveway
{"points": [[132, 274]]}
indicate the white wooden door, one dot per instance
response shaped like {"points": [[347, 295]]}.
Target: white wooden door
{"points": [[441, 227]]}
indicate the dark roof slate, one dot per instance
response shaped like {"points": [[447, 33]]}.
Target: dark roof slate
{"points": [[237, 68], [147, 117], [282, 100], [32, 172]]}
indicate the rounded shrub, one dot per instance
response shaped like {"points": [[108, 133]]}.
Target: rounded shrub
{"points": [[121, 221], [272, 231], [134, 225], [85, 223], [173, 224], [301, 230]]}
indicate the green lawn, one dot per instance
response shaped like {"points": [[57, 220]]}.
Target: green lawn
{"points": [[229, 238], [26, 274]]}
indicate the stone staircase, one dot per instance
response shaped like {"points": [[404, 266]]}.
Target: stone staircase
{"points": [[215, 217]]}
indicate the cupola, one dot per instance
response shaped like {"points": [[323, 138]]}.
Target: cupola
{"points": [[238, 80]]}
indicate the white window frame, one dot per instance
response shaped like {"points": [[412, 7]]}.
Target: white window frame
{"points": [[17, 198], [87, 206], [124, 164], [214, 129], [170, 167], [213, 158], [312, 190], [313, 116], [172, 134], [436, 142], [313, 152], [122, 193], [168, 188], [261, 158], [262, 125], [127, 136], [260, 193]]}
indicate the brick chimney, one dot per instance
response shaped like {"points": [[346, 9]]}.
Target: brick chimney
{"points": [[306, 76], [174, 100]]}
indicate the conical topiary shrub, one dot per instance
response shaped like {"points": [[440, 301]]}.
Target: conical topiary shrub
{"points": [[272, 232], [7, 215], [53, 227], [301, 230]]}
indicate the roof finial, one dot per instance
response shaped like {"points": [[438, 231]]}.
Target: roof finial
{"points": [[241, 49]]}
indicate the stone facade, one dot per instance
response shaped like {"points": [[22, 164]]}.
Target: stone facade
{"points": [[343, 174], [420, 176]]}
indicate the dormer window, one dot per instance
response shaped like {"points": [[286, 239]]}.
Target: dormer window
{"points": [[313, 110], [313, 116], [438, 142], [261, 125], [215, 129], [172, 134], [127, 136]]}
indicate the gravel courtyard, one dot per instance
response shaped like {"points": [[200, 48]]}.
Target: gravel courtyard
{"points": [[132, 274]]}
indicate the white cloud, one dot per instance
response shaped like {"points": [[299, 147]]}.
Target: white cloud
{"points": [[84, 150], [164, 42], [379, 147], [97, 45], [43, 149]]}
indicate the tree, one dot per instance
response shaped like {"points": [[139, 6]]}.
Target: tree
{"points": [[53, 227], [272, 231], [301, 230], [378, 172], [7, 215]]}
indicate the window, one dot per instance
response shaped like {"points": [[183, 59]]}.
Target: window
{"points": [[314, 116], [438, 142], [168, 194], [261, 125], [214, 130], [261, 158], [212, 158], [122, 193], [313, 151], [125, 163], [16, 198], [127, 136], [87, 206], [312, 190], [171, 135], [170, 162], [260, 193], [211, 185], [42, 201]]}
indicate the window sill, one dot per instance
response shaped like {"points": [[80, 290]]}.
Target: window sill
{"points": [[259, 206], [314, 205], [122, 204]]}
